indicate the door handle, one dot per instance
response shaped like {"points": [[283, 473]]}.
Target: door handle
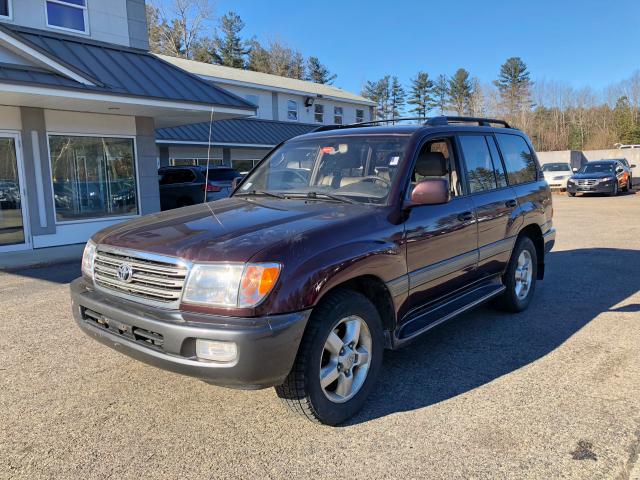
{"points": [[511, 203], [465, 216]]}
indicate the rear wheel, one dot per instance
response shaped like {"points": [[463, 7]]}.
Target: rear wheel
{"points": [[520, 277], [338, 360]]}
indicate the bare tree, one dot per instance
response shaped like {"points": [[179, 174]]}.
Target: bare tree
{"points": [[182, 24]]}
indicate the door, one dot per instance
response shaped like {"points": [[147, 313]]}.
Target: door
{"points": [[14, 234], [441, 240], [494, 201]]}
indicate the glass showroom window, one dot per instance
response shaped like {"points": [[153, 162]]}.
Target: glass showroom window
{"points": [[318, 110], [337, 115], [5, 8], [359, 115], [93, 177], [67, 15], [292, 110]]}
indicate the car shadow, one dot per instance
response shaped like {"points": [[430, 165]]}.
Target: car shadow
{"points": [[59, 273], [483, 345]]}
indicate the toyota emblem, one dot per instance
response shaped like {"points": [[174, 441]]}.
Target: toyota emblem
{"points": [[125, 273]]}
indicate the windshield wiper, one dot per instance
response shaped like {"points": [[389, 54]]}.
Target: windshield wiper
{"points": [[314, 195], [261, 192]]}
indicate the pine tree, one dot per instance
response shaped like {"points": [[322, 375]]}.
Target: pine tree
{"points": [[230, 48], [318, 73], [627, 131], [441, 93], [421, 94], [460, 91], [514, 85], [380, 92], [397, 98]]}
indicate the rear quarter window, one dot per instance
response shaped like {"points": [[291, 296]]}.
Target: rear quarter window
{"points": [[518, 159]]}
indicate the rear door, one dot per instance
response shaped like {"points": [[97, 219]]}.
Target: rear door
{"points": [[495, 203]]}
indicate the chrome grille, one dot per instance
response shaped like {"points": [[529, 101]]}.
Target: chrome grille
{"points": [[155, 280], [587, 182]]}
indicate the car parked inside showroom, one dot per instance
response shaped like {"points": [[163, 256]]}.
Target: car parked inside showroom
{"points": [[556, 174], [602, 176], [186, 185]]}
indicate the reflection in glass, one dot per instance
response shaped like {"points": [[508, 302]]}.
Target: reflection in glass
{"points": [[11, 226], [93, 177]]}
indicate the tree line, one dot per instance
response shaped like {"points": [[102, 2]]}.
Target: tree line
{"points": [[186, 29], [554, 115]]}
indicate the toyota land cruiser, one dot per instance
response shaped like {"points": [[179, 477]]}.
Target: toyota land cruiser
{"points": [[338, 245]]}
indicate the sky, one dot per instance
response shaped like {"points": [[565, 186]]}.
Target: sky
{"points": [[578, 42]]}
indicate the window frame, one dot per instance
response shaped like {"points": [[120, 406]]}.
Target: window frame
{"points": [[290, 110], [359, 119], [9, 15], [85, 12], [136, 166], [539, 176], [316, 113], [336, 116], [499, 160]]}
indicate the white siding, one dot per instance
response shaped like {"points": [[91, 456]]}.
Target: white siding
{"points": [[59, 121], [265, 104], [10, 118], [107, 19]]}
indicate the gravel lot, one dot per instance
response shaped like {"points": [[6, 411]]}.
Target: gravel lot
{"points": [[553, 392]]}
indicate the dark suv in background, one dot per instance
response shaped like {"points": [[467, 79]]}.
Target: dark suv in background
{"points": [[184, 186], [338, 245]]}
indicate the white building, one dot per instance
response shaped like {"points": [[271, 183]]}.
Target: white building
{"points": [[80, 100], [280, 103]]}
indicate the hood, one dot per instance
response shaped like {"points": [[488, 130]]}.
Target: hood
{"points": [[232, 229], [593, 175], [551, 175]]}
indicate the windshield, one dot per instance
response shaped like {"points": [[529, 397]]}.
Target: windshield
{"points": [[598, 168], [350, 168], [556, 167]]}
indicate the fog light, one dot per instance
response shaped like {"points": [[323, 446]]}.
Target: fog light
{"points": [[216, 351]]}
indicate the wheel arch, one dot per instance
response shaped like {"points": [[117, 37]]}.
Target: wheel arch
{"points": [[534, 232]]}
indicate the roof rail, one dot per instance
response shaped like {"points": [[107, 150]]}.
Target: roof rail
{"points": [[447, 119], [385, 121], [426, 121]]}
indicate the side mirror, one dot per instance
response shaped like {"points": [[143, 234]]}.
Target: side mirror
{"points": [[235, 182], [632, 165], [574, 169], [431, 192]]}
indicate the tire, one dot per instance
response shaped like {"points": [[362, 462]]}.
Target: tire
{"points": [[302, 390], [512, 299], [615, 190], [571, 194]]}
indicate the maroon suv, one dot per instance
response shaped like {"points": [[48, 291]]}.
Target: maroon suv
{"points": [[341, 243]]}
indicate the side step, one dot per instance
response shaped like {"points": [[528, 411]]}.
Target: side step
{"points": [[441, 312]]}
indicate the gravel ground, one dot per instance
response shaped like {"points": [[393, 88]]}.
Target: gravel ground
{"points": [[550, 393]]}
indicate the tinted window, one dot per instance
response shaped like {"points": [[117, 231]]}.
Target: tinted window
{"points": [[498, 167], [480, 171], [556, 167], [223, 174], [4, 8], [518, 158], [598, 168], [169, 177]]}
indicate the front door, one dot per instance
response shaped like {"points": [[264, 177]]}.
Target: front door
{"points": [[13, 219], [441, 240]]}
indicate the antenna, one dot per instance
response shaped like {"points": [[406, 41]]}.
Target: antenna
{"points": [[206, 175]]}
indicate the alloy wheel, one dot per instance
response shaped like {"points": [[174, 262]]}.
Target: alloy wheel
{"points": [[523, 274], [345, 359]]}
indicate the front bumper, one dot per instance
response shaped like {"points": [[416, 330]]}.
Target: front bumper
{"points": [[605, 187], [549, 239], [266, 346]]}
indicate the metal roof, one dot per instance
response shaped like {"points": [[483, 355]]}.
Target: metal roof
{"points": [[241, 131], [238, 75], [114, 70]]}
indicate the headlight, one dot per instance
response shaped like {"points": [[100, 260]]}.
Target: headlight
{"points": [[230, 285], [88, 257]]}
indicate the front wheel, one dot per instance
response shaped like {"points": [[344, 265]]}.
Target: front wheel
{"points": [[572, 194], [338, 360], [615, 190], [520, 277]]}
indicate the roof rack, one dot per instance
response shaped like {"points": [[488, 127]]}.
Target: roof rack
{"points": [[426, 121], [481, 121]]}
